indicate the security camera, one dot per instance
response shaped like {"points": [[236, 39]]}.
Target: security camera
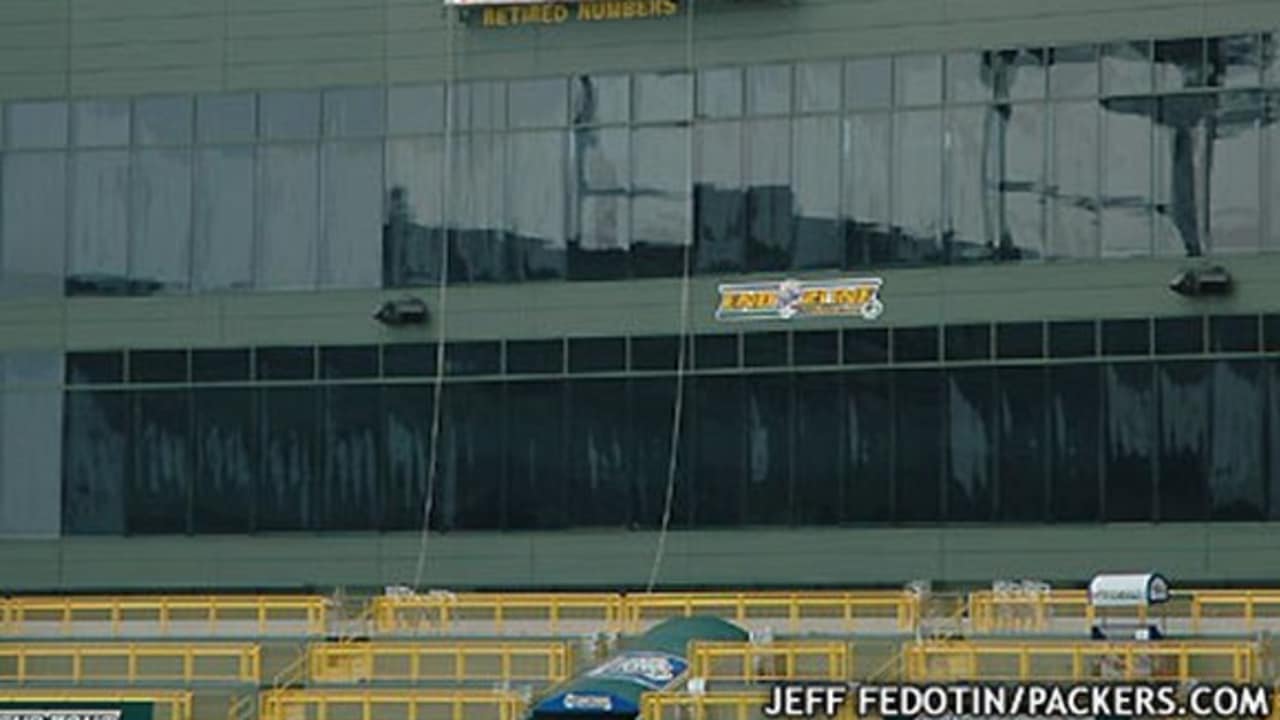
{"points": [[406, 311], [1199, 282]]}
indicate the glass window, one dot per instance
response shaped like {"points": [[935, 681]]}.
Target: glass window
{"points": [[718, 457], [601, 178], [869, 478], [1022, 460], [476, 357], [819, 440], [1185, 390], [289, 217], [289, 467], [1075, 415], [415, 109], [1180, 167], [1131, 441], [219, 366], [818, 87], [1127, 177], [354, 361], [716, 351], [721, 207], [1072, 339], [600, 462], [100, 123], [1233, 333], [351, 445], [968, 342], [477, 214], [973, 136], [353, 206], [655, 353], [162, 120], [409, 360], [285, 363], [600, 99], [95, 448], [1074, 211], [1021, 184], [915, 344], [867, 146], [223, 214], [1235, 202], [91, 368], [480, 106], [868, 83], [1180, 64], [226, 118], [1182, 335], [768, 89], [815, 188], [354, 112], [919, 414], [225, 435], [1126, 337], [1073, 71], [33, 223], [720, 93], [1271, 333], [36, 125], [661, 97], [470, 479], [536, 493], [653, 411], [1021, 74], [160, 256], [918, 186], [765, 349], [1271, 158], [159, 490], [866, 347], [769, 195], [538, 103], [536, 192], [1019, 340], [158, 366], [815, 347], [1236, 467], [597, 354], [768, 432], [409, 413], [290, 115], [1234, 61], [970, 76], [413, 232], [99, 253], [971, 444], [660, 211], [1126, 67], [535, 357], [917, 79]]}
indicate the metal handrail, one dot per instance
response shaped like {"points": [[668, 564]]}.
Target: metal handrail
{"points": [[187, 656], [540, 661], [450, 704], [196, 612]]}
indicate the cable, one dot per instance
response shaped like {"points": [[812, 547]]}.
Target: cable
{"points": [[682, 339], [428, 503]]}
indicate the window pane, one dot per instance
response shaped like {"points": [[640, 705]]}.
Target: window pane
{"points": [[662, 97], [867, 146], [477, 357], [226, 118], [1233, 333], [1126, 178], [819, 467], [971, 444], [653, 413], [1075, 420], [600, 99], [769, 195], [969, 76], [1179, 335], [918, 459], [99, 253], [917, 79], [716, 351], [1235, 61], [601, 176], [409, 360], [1073, 71], [288, 203], [660, 211], [536, 492], [866, 347], [285, 363], [349, 361], [1126, 337], [768, 438], [1022, 461], [1126, 68], [353, 112], [655, 353], [535, 357], [815, 189], [721, 207], [469, 485], [915, 344], [33, 224], [1234, 185], [537, 206], [159, 490], [353, 204], [538, 103], [768, 89], [600, 458], [413, 233], [1020, 340], [1072, 339], [91, 368], [818, 87], [99, 123], [289, 471], [1021, 184], [1180, 64], [868, 83], [720, 93], [718, 451], [765, 349], [36, 125], [1074, 212], [1236, 471], [1184, 440], [1180, 167], [95, 449], [1021, 73], [408, 412], [972, 183], [223, 219], [158, 366], [160, 257], [225, 435], [870, 482], [164, 120], [815, 347], [219, 365], [1271, 240], [597, 354], [918, 189], [290, 115], [476, 212], [480, 106], [1131, 441], [352, 442], [415, 109], [968, 342]]}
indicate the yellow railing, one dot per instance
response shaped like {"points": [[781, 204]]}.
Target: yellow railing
{"points": [[1235, 610], [169, 704], [497, 612], [131, 662], [1079, 661], [715, 706], [544, 662], [116, 616], [391, 705], [790, 660]]}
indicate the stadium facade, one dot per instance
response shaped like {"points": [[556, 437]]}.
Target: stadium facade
{"points": [[202, 202]]}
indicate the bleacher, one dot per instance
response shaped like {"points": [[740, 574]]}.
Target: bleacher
{"points": [[489, 656]]}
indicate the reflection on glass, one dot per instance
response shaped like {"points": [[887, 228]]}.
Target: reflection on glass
{"points": [[769, 195], [33, 223], [226, 118], [818, 87], [1074, 184], [720, 93], [288, 466], [1130, 441], [352, 442], [768, 428], [223, 251], [100, 123], [867, 146], [289, 217], [1126, 67], [1184, 439], [160, 485], [159, 257], [1022, 458], [537, 244], [538, 103], [973, 224], [1235, 203], [289, 115], [868, 83], [36, 124], [1180, 165], [971, 438], [1180, 64], [415, 109], [600, 99], [1075, 413], [601, 183], [660, 206], [917, 206], [476, 216], [353, 200], [661, 97], [601, 461], [1234, 61], [413, 229], [718, 457], [720, 212], [354, 112], [968, 77], [95, 447], [917, 79], [1021, 182], [164, 120], [1127, 177], [1073, 71], [1236, 470], [98, 256], [225, 437], [815, 185], [768, 89]]}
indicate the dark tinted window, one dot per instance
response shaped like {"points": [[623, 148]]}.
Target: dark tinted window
{"points": [[1179, 335], [919, 419], [412, 360], [655, 353], [915, 344], [1184, 392], [285, 363], [1075, 417], [1125, 337], [158, 499], [1233, 333], [1020, 340], [94, 367], [95, 462], [1072, 339], [866, 347], [1130, 441], [1022, 463], [225, 435], [597, 354], [535, 356], [473, 358], [764, 349], [968, 342], [1271, 333], [349, 362], [158, 366], [716, 351], [219, 365], [815, 348]]}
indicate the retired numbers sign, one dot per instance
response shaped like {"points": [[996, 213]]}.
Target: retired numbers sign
{"points": [[511, 13], [786, 299]]}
